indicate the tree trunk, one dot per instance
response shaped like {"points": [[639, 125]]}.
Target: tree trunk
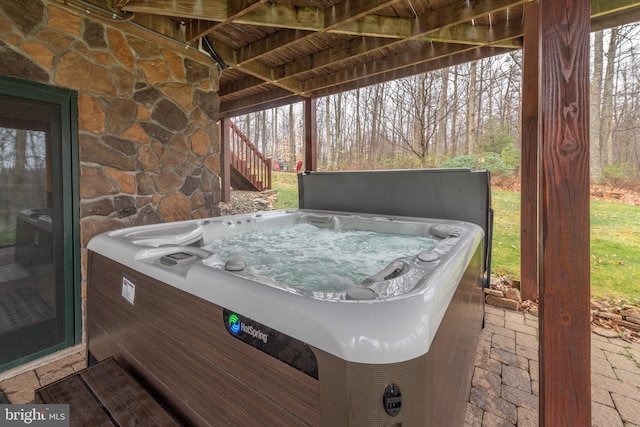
{"points": [[607, 123], [453, 146], [471, 130], [441, 140], [596, 104], [292, 140]]}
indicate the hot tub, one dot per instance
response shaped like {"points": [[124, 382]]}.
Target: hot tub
{"points": [[194, 310]]}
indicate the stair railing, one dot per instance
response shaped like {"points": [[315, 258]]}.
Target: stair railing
{"points": [[248, 160]]}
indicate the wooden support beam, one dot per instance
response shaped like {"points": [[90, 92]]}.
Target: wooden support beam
{"points": [[529, 156], [310, 135], [565, 347], [225, 160]]}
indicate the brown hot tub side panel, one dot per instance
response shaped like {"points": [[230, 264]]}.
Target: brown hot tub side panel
{"points": [[177, 345], [435, 387]]}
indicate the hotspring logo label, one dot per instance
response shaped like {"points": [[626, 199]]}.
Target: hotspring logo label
{"points": [[236, 326]]}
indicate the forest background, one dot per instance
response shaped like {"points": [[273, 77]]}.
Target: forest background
{"points": [[467, 115]]}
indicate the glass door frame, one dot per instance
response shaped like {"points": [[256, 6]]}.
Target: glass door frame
{"points": [[67, 100]]}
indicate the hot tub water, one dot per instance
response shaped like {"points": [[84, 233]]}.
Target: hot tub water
{"points": [[319, 259]]}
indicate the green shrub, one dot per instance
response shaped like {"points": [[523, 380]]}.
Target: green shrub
{"points": [[511, 156], [495, 136], [623, 175], [490, 161], [469, 161]]}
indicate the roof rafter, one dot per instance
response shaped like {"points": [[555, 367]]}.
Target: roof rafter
{"points": [[280, 51]]}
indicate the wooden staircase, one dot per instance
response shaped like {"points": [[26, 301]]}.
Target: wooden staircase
{"points": [[250, 169]]}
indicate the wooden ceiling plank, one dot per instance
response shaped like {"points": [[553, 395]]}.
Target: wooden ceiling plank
{"points": [[507, 35], [459, 13], [350, 10], [626, 16], [377, 26], [428, 52], [477, 10], [352, 50], [236, 9], [607, 7], [255, 68], [261, 106], [504, 35], [271, 95], [248, 82], [188, 9], [270, 44], [399, 73], [284, 16]]}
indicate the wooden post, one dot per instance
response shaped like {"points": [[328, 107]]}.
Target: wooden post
{"points": [[529, 156], [310, 135], [565, 352], [225, 160]]}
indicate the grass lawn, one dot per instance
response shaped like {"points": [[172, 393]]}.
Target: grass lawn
{"points": [[615, 240], [7, 239]]}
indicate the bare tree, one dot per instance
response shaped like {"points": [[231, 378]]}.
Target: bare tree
{"points": [[471, 130]]}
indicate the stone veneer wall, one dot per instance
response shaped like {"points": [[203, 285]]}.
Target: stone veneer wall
{"points": [[147, 113]]}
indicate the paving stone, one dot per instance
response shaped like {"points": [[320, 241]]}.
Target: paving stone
{"points": [[628, 408], [513, 318], [489, 364], [78, 366], [488, 309], [515, 377], [601, 395], [531, 320], [487, 380], [624, 362], [605, 332], [526, 339], [58, 369], [473, 416], [534, 370], [614, 386], [599, 338], [604, 416], [606, 345], [597, 352], [491, 420], [504, 343], [525, 330], [492, 319], [499, 330], [499, 407], [602, 367], [508, 358], [519, 398], [627, 377], [50, 376], [20, 388], [527, 352], [484, 345], [527, 418], [634, 350]]}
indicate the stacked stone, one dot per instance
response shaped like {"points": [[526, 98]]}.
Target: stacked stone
{"points": [[147, 113]]}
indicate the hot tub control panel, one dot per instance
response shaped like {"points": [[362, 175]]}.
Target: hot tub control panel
{"points": [[392, 400]]}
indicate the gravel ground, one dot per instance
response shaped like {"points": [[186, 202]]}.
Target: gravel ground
{"points": [[248, 202]]}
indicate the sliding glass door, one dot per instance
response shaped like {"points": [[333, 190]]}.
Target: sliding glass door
{"points": [[38, 221]]}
